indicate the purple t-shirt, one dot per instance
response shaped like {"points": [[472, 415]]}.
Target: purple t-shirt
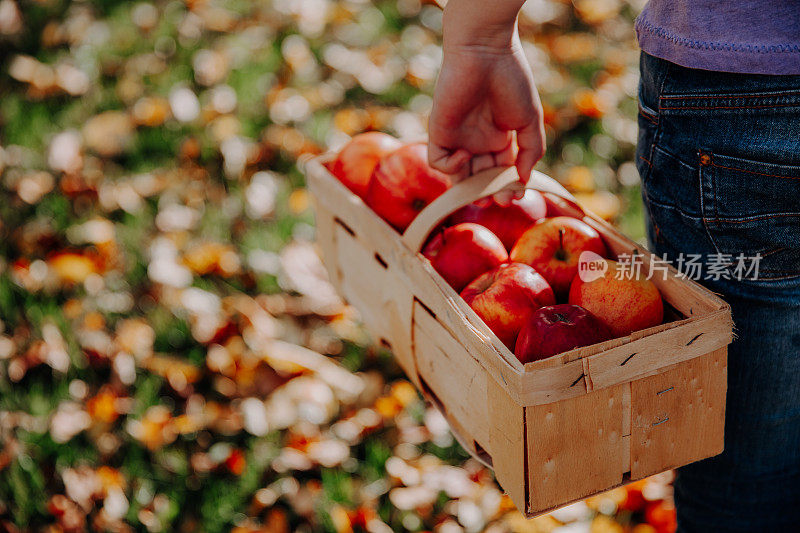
{"points": [[750, 36]]}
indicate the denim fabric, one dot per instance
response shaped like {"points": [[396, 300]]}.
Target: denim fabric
{"points": [[719, 157]]}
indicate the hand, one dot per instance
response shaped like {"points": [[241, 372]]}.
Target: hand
{"points": [[485, 93]]}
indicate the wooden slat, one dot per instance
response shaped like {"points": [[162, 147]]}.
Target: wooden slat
{"points": [[398, 308], [574, 447], [626, 427], [507, 443], [628, 361], [678, 417], [458, 318], [456, 379], [362, 280], [368, 286], [648, 355], [625, 448], [549, 385], [587, 351], [326, 240]]}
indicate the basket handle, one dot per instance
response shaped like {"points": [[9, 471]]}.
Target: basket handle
{"points": [[485, 183]]}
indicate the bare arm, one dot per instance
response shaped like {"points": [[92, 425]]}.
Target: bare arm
{"points": [[485, 92]]}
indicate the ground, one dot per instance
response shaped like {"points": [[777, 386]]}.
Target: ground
{"points": [[172, 357]]}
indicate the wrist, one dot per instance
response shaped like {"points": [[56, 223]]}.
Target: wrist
{"points": [[470, 24]]}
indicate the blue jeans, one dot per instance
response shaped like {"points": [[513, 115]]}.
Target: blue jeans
{"points": [[719, 157]]}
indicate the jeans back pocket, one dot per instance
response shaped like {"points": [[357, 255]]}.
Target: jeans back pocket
{"points": [[752, 208]]}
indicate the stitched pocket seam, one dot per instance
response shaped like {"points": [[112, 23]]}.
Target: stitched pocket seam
{"points": [[777, 94], [674, 207], [754, 172], [705, 173], [712, 107], [656, 134]]}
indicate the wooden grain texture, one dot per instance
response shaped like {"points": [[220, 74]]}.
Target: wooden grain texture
{"points": [[625, 361], [587, 351], [649, 354], [678, 417], [548, 385], [398, 307], [574, 447], [457, 380], [507, 443], [625, 449], [326, 241], [459, 319], [368, 286]]}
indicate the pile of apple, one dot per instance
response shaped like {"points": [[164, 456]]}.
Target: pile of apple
{"points": [[513, 258]]}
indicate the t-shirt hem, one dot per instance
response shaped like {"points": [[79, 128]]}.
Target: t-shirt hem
{"points": [[777, 59]]}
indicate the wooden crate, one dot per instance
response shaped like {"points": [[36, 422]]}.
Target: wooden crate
{"points": [[557, 430]]}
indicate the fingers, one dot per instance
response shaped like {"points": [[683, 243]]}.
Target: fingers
{"points": [[447, 161], [460, 163], [482, 162], [501, 158], [531, 143]]}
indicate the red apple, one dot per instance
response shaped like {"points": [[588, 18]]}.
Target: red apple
{"points": [[504, 214], [403, 184], [463, 252], [556, 329], [625, 305], [552, 247], [359, 157], [506, 296]]}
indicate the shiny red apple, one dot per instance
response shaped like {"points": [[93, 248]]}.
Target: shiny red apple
{"points": [[463, 252], [359, 157], [552, 246], [556, 329], [506, 215], [623, 298], [403, 184], [506, 297]]}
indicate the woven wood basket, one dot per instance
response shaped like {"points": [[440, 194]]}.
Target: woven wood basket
{"points": [[556, 430]]}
